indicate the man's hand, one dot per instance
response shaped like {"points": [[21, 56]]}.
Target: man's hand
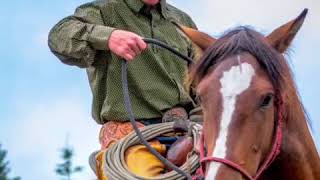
{"points": [[126, 44]]}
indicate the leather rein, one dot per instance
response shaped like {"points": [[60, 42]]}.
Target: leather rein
{"points": [[130, 111]]}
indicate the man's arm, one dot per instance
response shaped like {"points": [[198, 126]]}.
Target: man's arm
{"points": [[75, 39]]}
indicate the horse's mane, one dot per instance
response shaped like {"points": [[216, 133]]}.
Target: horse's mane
{"points": [[244, 39]]}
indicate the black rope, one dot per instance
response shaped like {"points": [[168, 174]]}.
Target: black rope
{"points": [[127, 101], [165, 46]]}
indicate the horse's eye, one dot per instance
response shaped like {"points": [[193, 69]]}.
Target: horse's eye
{"points": [[267, 101]]}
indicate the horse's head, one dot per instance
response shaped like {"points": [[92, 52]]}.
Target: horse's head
{"points": [[240, 81]]}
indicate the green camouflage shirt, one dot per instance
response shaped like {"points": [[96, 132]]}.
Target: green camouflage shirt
{"points": [[155, 77]]}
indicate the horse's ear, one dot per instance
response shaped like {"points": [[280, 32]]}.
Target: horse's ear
{"points": [[201, 39], [282, 37]]}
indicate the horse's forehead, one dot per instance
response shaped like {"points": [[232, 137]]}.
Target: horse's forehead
{"points": [[237, 79], [230, 72], [235, 60]]}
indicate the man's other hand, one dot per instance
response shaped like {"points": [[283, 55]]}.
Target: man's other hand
{"points": [[126, 44]]}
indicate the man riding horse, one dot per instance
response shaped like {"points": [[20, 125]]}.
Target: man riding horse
{"points": [[255, 126], [99, 36]]}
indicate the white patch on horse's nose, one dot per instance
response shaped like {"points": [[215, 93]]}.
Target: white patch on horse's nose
{"points": [[233, 83]]}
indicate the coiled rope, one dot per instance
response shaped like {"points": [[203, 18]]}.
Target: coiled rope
{"points": [[117, 169]]}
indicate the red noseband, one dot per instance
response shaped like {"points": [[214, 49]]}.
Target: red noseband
{"points": [[270, 158]]}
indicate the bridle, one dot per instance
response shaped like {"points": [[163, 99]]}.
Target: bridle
{"points": [[270, 158]]}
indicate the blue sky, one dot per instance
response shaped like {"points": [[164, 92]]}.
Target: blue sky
{"points": [[43, 100]]}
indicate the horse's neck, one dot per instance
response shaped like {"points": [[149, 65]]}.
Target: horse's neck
{"points": [[299, 159]]}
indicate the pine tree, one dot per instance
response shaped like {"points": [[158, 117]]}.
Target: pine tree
{"points": [[4, 166], [67, 169]]}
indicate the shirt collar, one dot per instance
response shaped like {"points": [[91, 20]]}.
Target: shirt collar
{"points": [[137, 5]]}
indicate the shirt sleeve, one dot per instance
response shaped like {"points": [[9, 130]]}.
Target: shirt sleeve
{"points": [[76, 39]]}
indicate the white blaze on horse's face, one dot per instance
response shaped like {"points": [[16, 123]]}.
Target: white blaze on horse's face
{"points": [[233, 82]]}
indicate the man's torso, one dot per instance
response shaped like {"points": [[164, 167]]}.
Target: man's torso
{"points": [[155, 77]]}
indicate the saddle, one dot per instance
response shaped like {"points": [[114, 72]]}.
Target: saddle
{"points": [[175, 146], [178, 152]]}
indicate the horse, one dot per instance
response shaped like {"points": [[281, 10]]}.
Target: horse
{"points": [[255, 126]]}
